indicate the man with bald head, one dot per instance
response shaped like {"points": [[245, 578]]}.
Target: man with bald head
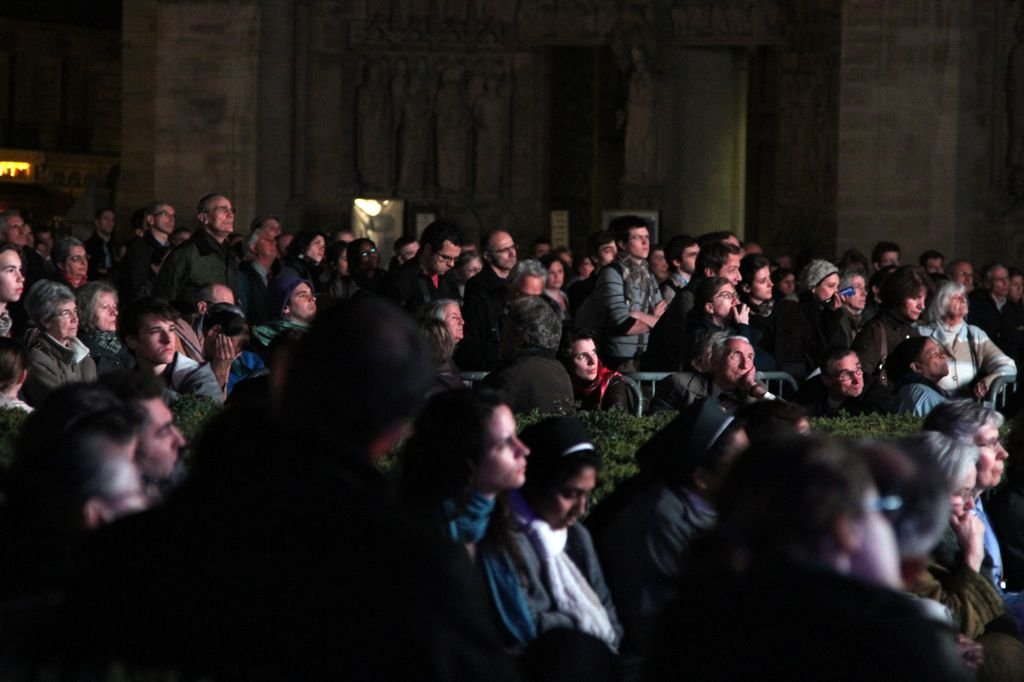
{"points": [[485, 301]]}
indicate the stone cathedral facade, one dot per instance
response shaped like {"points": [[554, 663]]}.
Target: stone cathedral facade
{"points": [[810, 126]]}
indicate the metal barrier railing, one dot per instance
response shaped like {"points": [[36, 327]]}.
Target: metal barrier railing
{"points": [[644, 385], [779, 383], [1000, 390], [648, 385]]}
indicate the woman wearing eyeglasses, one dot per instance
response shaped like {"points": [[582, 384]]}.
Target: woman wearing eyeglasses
{"points": [[72, 262], [55, 355], [364, 265], [957, 574], [716, 308]]}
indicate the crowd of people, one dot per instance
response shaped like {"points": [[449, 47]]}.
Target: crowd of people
{"points": [[744, 546]]}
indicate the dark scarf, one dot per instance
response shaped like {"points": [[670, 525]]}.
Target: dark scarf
{"points": [[108, 341]]}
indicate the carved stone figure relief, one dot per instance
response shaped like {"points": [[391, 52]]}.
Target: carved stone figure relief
{"points": [[725, 21], [413, 95], [642, 122], [374, 131], [1015, 114], [491, 118], [454, 121]]}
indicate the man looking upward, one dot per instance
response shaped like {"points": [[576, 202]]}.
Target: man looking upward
{"points": [[204, 257]]}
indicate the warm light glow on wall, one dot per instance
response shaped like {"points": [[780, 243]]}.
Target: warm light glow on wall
{"points": [[18, 170], [370, 207]]}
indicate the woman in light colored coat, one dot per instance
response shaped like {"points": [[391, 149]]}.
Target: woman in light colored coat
{"points": [[55, 355], [974, 359]]}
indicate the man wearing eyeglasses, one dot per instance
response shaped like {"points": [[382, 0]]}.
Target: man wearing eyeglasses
{"points": [[204, 257], [137, 275], [484, 304], [839, 387], [423, 279]]}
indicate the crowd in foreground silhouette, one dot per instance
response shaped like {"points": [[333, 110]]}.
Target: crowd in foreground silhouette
{"points": [[746, 546]]}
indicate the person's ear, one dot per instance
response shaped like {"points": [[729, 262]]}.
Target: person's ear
{"points": [[916, 366], [94, 513], [701, 480], [131, 341], [709, 308], [848, 534]]}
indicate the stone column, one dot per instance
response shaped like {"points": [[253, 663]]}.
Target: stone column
{"points": [[274, 132], [296, 207], [190, 104], [898, 125], [137, 181]]}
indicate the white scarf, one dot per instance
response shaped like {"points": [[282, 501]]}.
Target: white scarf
{"points": [[568, 587]]}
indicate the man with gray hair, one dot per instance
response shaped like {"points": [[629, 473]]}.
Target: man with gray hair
{"points": [[254, 271], [730, 378], [529, 375], [528, 278]]}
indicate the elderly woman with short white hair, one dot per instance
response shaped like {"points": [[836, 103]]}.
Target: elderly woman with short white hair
{"points": [[55, 355], [974, 359]]}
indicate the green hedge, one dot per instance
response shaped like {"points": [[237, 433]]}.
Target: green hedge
{"points": [[11, 421], [616, 434], [190, 413]]}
